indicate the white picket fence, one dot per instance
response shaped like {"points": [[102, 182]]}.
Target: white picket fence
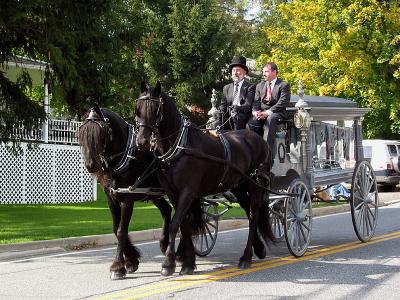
{"points": [[52, 172], [59, 131]]}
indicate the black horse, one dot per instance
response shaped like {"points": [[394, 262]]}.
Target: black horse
{"points": [[108, 146], [195, 164]]}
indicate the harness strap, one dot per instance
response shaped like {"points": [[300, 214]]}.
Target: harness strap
{"points": [[199, 154], [175, 150], [227, 150], [123, 164], [149, 171]]}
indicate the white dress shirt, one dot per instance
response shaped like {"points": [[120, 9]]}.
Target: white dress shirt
{"points": [[236, 101]]}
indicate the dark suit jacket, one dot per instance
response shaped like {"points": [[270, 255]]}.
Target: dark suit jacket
{"points": [[246, 97], [280, 97]]}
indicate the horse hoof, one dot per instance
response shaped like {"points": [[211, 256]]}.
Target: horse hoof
{"points": [[131, 268], [244, 265], [167, 271], [117, 275], [186, 271]]}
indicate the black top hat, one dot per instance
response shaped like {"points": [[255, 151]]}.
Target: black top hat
{"points": [[238, 61]]}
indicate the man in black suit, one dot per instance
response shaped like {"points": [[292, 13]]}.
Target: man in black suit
{"points": [[270, 102], [238, 96]]}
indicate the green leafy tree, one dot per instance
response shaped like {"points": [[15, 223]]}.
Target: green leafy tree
{"points": [[188, 48], [342, 48], [88, 45]]}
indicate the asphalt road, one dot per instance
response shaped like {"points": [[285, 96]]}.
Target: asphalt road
{"points": [[336, 267]]}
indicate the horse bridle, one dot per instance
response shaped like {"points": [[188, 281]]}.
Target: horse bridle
{"points": [[159, 116], [104, 124]]}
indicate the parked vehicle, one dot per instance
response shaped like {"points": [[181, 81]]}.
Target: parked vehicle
{"points": [[384, 158]]}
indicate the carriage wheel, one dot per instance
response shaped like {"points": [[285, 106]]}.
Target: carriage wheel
{"points": [[364, 201], [204, 242], [276, 216], [298, 218]]}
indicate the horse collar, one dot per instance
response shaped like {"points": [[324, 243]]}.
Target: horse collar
{"points": [[180, 141]]}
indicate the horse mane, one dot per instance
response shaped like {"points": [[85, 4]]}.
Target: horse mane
{"points": [[91, 135]]}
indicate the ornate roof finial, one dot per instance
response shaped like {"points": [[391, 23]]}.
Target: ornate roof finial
{"points": [[300, 91]]}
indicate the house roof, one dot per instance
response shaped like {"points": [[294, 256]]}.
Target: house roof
{"points": [[14, 66]]}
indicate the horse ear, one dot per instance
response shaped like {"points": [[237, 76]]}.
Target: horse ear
{"points": [[96, 108], [157, 89], [143, 87]]}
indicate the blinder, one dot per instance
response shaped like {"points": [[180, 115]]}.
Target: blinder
{"points": [[159, 115]]}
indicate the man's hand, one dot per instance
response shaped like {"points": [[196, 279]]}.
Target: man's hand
{"points": [[261, 115], [234, 110]]}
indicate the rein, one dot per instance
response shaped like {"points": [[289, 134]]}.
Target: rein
{"points": [[179, 145], [256, 173]]}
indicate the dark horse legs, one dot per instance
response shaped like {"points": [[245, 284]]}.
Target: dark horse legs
{"points": [[127, 256], [165, 210], [244, 201], [256, 205], [180, 220]]}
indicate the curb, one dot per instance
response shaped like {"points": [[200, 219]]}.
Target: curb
{"points": [[21, 250]]}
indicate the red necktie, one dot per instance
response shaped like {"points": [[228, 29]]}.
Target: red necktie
{"points": [[268, 93]]}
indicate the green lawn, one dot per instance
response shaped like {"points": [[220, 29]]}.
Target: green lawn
{"points": [[24, 223]]}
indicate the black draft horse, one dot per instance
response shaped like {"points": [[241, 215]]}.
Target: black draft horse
{"points": [[108, 147], [109, 150], [195, 164]]}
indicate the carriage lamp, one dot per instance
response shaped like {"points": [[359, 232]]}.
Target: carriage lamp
{"points": [[302, 121], [302, 118]]}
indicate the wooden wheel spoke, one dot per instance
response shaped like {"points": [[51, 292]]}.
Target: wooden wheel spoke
{"points": [[371, 213], [209, 231], [303, 233], [359, 216], [359, 205], [305, 226], [371, 185], [212, 225], [306, 204]]}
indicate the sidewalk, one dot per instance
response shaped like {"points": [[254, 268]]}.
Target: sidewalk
{"points": [[20, 250]]}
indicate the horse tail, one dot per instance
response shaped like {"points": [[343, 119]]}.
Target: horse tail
{"points": [[196, 218], [264, 223]]}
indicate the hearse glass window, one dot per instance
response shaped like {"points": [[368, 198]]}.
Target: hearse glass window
{"points": [[392, 150]]}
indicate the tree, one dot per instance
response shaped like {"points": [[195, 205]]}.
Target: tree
{"points": [[86, 43], [189, 47], [342, 48]]}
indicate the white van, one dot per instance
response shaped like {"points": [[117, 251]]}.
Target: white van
{"points": [[384, 158]]}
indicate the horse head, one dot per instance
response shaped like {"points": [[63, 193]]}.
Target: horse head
{"points": [[149, 114], [102, 137]]}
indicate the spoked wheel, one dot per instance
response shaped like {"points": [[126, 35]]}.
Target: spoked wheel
{"points": [[364, 201], [204, 243], [276, 217], [298, 218]]}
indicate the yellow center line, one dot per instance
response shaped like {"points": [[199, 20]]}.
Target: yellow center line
{"points": [[177, 283]]}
